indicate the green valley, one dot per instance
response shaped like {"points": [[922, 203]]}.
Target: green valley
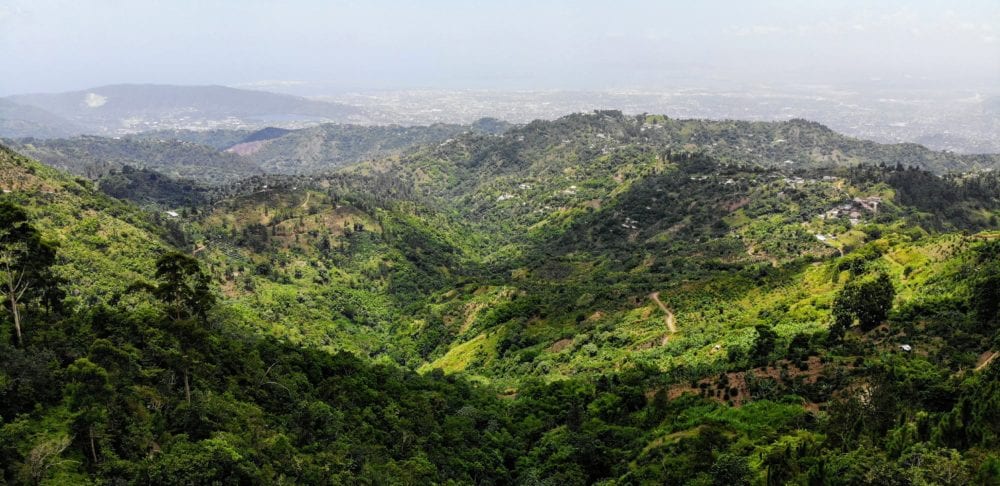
{"points": [[598, 299]]}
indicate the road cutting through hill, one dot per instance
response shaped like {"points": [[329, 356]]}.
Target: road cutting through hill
{"points": [[987, 360], [669, 319]]}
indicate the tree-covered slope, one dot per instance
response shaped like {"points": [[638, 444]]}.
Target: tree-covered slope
{"points": [[220, 156], [327, 147], [692, 231], [219, 139], [147, 187], [96, 156], [545, 306], [103, 244], [333, 262]]}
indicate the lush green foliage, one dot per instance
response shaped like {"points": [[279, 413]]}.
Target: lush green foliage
{"points": [[327, 147], [548, 306], [868, 301], [25, 263], [95, 156], [150, 188]]}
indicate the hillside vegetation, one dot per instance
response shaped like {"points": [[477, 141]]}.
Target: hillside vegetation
{"points": [[94, 157], [598, 299], [219, 156], [327, 147]]}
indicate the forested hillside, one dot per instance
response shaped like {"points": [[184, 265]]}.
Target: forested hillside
{"points": [[327, 147], [598, 299], [224, 156], [94, 157]]}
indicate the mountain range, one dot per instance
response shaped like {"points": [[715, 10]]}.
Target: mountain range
{"points": [[130, 108]]}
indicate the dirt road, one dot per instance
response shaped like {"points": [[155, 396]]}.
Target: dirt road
{"points": [[986, 362], [669, 319]]}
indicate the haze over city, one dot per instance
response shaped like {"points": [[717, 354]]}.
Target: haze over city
{"points": [[317, 47]]}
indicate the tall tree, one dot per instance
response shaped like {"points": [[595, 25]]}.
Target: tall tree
{"points": [[868, 300], [88, 392], [25, 264], [986, 285], [763, 345], [184, 288]]}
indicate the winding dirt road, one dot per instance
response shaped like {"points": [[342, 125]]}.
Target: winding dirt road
{"points": [[986, 362], [669, 319]]}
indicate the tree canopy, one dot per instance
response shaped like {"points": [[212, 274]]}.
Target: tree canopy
{"points": [[25, 262]]}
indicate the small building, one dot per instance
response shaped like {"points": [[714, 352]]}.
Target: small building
{"points": [[906, 347], [870, 203]]}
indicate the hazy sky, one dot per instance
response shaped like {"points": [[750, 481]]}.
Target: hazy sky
{"points": [[58, 45]]}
